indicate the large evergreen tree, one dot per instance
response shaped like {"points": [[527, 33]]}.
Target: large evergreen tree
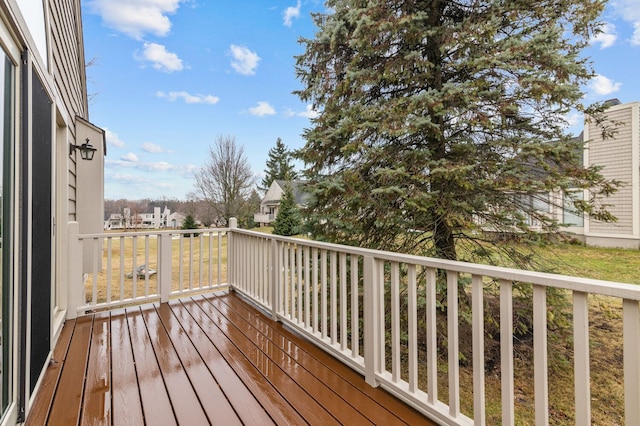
{"points": [[279, 166], [440, 119]]}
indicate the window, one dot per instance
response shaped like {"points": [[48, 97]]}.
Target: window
{"points": [[570, 216], [532, 205]]}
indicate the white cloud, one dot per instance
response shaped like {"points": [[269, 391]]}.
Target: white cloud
{"points": [[574, 119], [607, 37], [188, 98], [130, 161], [113, 139], [290, 13], [262, 109], [602, 85], [139, 181], [309, 112], [160, 58], [152, 148], [629, 11], [244, 60], [160, 166], [136, 18], [130, 157], [125, 178], [635, 38]]}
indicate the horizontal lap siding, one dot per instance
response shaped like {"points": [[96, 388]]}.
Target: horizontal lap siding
{"points": [[67, 65], [615, 156], [68, 58]]}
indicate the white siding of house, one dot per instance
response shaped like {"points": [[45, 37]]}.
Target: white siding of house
{"points": [[273, 196], [619, 158], [68, 69], [68, 65]]}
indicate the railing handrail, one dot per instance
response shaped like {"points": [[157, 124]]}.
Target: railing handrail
{"points": [[146, 232], [567, 282]]}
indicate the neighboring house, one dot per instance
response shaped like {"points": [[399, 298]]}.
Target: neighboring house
{"points": [[175, 220], [271, 201], [156, 220], [620, 159], [47, 189]]}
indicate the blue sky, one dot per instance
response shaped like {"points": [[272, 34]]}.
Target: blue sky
{"points": [[170, 76]]}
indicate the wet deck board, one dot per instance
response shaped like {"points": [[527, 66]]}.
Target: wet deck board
{"points": [[203, 360]]}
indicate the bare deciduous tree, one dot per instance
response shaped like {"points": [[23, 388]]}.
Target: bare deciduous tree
{"points": [[225, 181]]}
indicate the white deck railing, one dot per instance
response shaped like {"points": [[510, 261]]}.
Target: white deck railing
{"points": [[375, 311], [140, 267], [349, 301]]}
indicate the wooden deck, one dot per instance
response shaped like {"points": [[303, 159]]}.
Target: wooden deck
{"points": [[204, 360]]}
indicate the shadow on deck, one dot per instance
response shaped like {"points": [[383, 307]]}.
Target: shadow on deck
{"points": [[204, 360]]}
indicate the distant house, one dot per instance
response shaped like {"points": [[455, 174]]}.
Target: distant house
{"points": [[175, 220], [158, 219], [271, 201]]}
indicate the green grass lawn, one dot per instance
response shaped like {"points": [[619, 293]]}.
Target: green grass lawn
{"points": [[620, 265]]}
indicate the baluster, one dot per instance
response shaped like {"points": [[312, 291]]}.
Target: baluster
{"points": [[479, 411], [395, 322], [540, 354], [109, 267], [506, 351], [412, 306], [355, 317], [432, 345], [307, 289], [191, 262], [300, 291], [343, 302], [453, 343], [122, 275], [314, 277], [334, 303], [323, 292], [581, 357], [134, 271], [146, 265]]}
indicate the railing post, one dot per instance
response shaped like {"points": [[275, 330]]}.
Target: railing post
{"points": [[372, 322], [74, 264], [165, 269], [231, 261], [631, 352], [274, 289]]}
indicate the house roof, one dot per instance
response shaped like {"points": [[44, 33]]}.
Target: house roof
{"points": [[301, 196]]}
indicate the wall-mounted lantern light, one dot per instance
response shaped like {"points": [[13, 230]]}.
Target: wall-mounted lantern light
{"points": [[87, 150]]}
